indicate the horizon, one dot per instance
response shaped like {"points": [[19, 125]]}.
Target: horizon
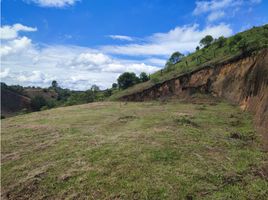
{"points": [[72, 41]]}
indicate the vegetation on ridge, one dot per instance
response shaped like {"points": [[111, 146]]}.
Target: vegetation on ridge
{"points": [[213, 51]]}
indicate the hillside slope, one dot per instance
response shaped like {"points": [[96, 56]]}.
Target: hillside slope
{"points": [[241, 80], [224, 49], [148, 150], [12, 102]]}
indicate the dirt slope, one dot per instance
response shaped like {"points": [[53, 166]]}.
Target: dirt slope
{"points": [[12, 102], [241, 80]]}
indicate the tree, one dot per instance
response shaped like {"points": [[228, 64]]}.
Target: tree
{"points": [[54, 84], [127, 79], [197, 48], [38, 102], [114, 86], [206, 41], [144, 77], [243, 45], [247, 47], [81, 97], [235, 40], [95, 88], [107, 93], [175, 57], [168, 66], [221, 41], [63, 94]]}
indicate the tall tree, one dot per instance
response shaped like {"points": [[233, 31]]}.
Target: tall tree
{"points": [[54, 84], [206, 41], [175, 57], [144, 77], [95, 88], [114, 85], [221, 41], [127, 79]]}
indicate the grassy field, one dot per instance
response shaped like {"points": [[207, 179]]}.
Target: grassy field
{"points": [[152, 150]]}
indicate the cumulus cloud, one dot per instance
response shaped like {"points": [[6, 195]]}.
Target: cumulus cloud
{"points": [[183, 39], [77, 67], [92, 59], [4, 73], [216, 9], [73, 67], [121, 37], [11, 32], [215, 15], [54, 3], [33, 77], [26, 63], [15, 46], [213, 5]]}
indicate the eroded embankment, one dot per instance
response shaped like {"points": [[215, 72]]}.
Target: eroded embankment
{"points": [[243, 80]]}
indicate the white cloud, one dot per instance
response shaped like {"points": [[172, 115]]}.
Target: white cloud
{"points": [[11, 32], [183, 39], [34, 77], [92, 59], [54, 3], [74, 67], [212, 5], [156, 61], [78, 67], [216, 9], [215, 15], [121, 37], [15, 46], [4, 73]]}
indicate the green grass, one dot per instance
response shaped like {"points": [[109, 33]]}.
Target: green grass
{"points": [[150, 150], [257, 38]]}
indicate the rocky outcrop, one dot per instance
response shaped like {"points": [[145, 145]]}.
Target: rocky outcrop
{"points": [[242, 80]]}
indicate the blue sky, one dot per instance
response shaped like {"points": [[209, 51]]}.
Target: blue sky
{"points": [[85, 42]]}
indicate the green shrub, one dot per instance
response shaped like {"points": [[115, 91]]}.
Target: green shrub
{"points": [[38, 102], [155, 80]]}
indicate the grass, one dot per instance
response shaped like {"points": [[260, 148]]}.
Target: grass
{"points": [[151, 150], [257, 38]]}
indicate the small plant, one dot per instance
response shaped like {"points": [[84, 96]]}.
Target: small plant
{"points": [[249, 136], [155, 80], [185, 121]]}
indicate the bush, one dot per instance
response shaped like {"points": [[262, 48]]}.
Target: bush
{"points": [[221, 41], [234, 41], [144, 77], [108, 93], [155, 80], [81, 98], [38, 102]]}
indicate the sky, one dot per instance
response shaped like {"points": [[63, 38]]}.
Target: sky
{"points": [[84, 42]]}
